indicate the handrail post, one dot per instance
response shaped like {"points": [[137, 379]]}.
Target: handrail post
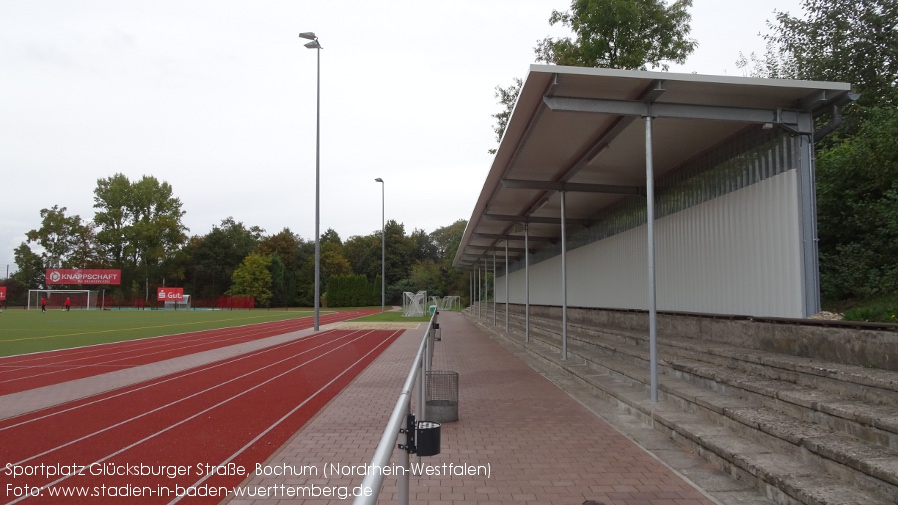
{"points": [[416, 377], [402, 479], [422, 383]]}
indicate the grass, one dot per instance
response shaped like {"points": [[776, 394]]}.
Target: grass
{"points": [[881, 309], [27, 331], [873, 314]]}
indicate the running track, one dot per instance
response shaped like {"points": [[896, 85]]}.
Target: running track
{"points": [[234, 412], [29, 371]]}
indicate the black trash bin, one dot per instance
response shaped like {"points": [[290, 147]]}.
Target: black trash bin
{"points": [[442, 396]]}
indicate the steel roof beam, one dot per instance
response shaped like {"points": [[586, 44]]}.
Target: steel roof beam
{"points": [[532, 219], [573, 187], [797, 121], [494, 248], [510, 238]]}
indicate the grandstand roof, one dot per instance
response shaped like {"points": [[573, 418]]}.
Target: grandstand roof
{"points": [[580, 130]]}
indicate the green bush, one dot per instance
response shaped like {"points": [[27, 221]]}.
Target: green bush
{"points": [[878, 314], [350, 291], [857, 197]]}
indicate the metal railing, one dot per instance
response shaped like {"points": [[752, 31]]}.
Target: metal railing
{"points": [[374, 477]]}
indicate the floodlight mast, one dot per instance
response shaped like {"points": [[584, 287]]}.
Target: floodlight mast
{"points": [[383, 246], [314, 44]]}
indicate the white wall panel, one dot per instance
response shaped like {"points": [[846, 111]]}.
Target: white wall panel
{"points": [[736, 254]]}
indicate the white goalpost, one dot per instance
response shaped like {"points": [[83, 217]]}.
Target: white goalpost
{"points": [[413, 303], [81, 299], [449, 303]]}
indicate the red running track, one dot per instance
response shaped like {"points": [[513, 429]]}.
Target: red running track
{"points": [[29, 371], [225, 415]]}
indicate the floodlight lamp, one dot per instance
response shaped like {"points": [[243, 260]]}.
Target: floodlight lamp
{"points": [[313, 45], [308, 35]]}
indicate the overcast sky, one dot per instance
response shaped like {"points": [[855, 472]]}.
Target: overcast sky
{"points": [[218, 98]]}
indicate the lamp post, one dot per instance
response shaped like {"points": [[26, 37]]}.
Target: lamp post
{"points": [[383, 247], [314, 44]]}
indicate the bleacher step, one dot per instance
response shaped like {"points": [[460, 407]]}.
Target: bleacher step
{"points": [[757, 428]]}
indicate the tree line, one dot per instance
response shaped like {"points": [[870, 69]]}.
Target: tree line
{"points": [[138, 228]]}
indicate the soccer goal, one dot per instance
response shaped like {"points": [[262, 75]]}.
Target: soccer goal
{"points": [[449, 303], [81, 299], [413, 303]]}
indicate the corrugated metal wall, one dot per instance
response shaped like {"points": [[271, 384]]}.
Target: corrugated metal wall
{"points": [[739, 253]]}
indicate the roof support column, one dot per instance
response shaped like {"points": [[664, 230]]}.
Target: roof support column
{"points": [[650, 253], [526, 283], [494, 289], [804, 146], [563, 280], [507, 295], [479, 292], [486, 287]]}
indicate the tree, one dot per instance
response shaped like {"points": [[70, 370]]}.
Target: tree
{"points": [[856, 42], [219, 253], [424, 248], [398, 255], [859, 235], [330, 237], [426, 275], [62, 239], [279, 281], [853, 41], [285, 244], [333, 262], [111, 197], [447, 239], [139, 224], [252, 278], [364, 255], [626, 34], [507, 99], [31, 270]]}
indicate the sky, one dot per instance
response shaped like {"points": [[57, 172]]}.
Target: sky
{"points": [[218, 98]]}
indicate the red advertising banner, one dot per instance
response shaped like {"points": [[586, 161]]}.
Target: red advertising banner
{"points": [[170, 294], [2, 293], [81, 277]]}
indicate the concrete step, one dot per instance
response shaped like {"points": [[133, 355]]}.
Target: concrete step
{"points": [[741, 436], [841, 409]]}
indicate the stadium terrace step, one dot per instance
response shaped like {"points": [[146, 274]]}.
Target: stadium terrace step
{"points": [[803, 431]]}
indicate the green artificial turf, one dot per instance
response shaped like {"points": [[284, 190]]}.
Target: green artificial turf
{"points": [[27, 331], [392, 317]]}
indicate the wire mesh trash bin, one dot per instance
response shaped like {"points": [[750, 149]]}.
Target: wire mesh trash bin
{"points": [[442, 396]]}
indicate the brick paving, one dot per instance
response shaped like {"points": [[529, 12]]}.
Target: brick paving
{"points": [[539, 444]]}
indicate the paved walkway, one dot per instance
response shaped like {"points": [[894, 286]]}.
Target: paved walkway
{"points": [[540, 445]]}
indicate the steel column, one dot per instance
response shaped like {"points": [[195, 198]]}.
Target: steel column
{"points": [[650, 253], [563, 281], [807, 198], [526, 283], [507, 294], [494, 289]]}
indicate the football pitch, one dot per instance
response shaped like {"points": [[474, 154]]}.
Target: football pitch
{"points": [[27, 331]]}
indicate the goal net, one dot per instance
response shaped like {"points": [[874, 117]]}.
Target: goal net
{"points": [[413, 303], [182, 304], [80, 299], [449, 303]]}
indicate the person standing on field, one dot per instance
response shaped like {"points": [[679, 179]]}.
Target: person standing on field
{"points": [[43, 304], [68, 303]]}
